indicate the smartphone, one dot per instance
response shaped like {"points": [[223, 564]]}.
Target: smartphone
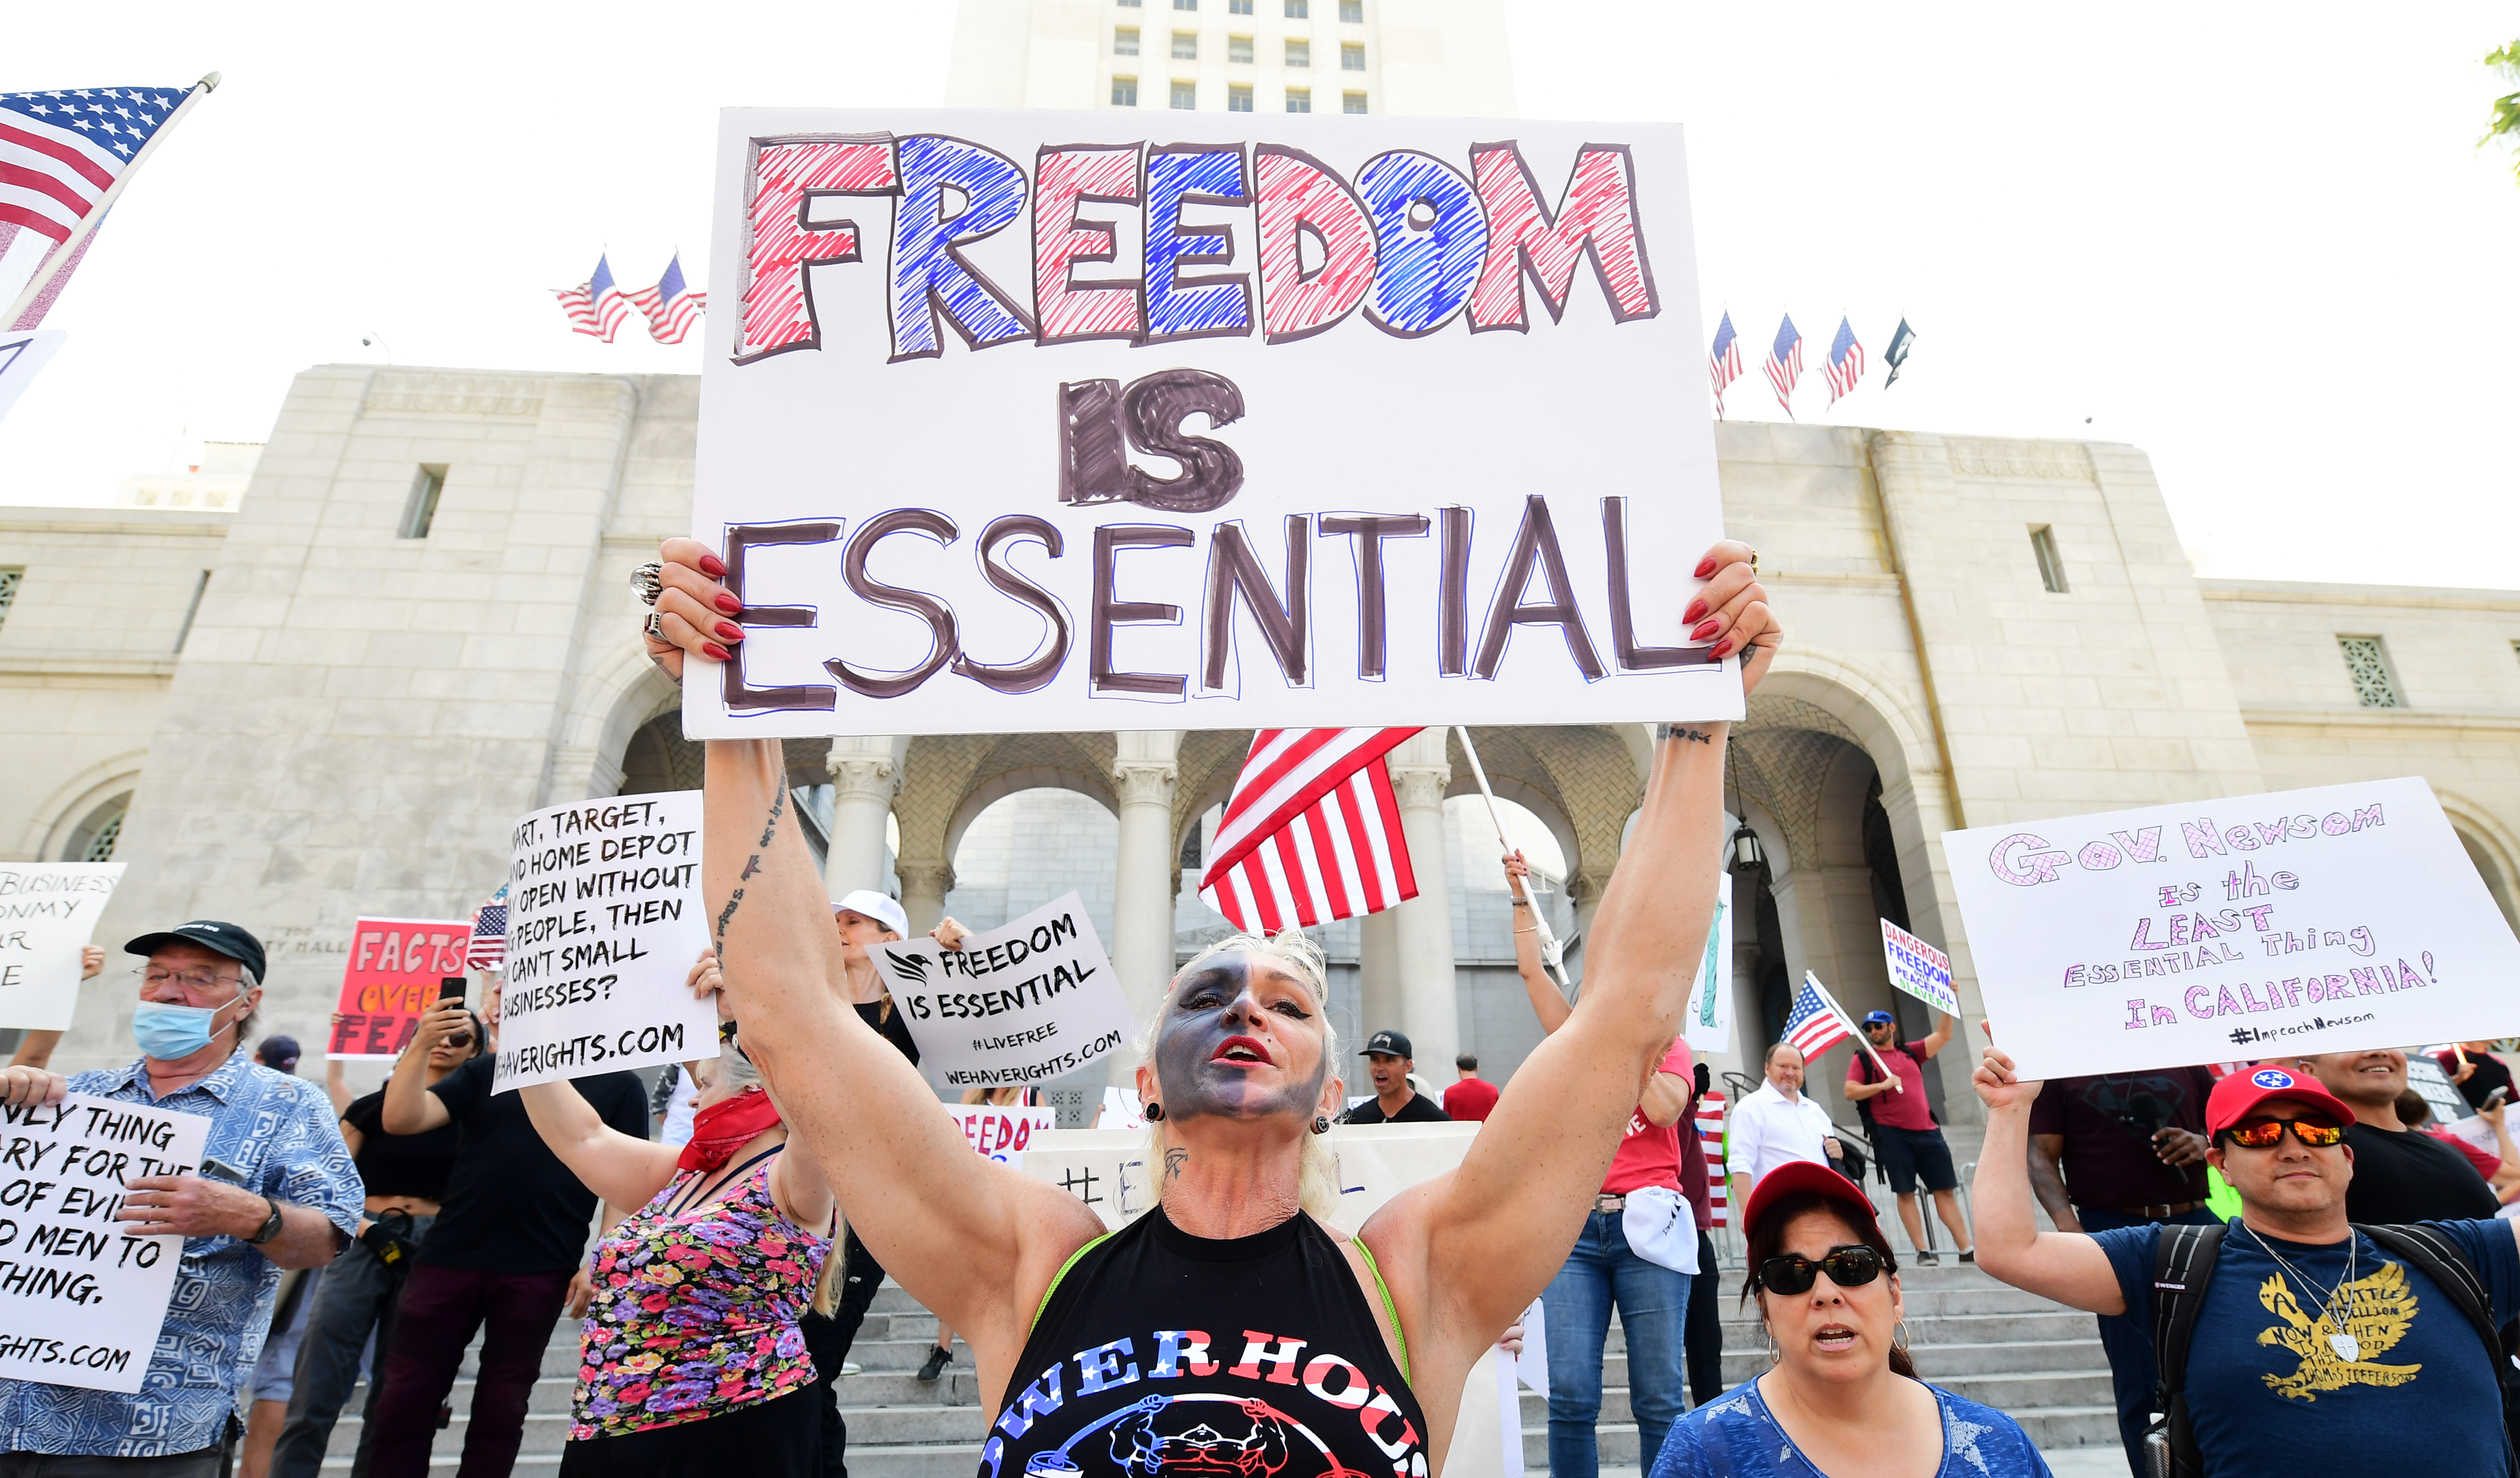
{"points": [[450, 988], [2495, 1099]]}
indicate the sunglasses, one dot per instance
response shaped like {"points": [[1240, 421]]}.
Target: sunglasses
{"points": [[459, 1039], [1849, 1267], [2263, 1132]]}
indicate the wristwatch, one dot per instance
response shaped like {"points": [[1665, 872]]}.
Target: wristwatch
{"points": [[270, 1228]]}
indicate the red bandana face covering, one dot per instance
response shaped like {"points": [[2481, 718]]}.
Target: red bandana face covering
{"points": [[721, 1129]]}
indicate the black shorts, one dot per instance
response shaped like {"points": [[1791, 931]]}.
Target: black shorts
{"points": [[1907, 1153]]}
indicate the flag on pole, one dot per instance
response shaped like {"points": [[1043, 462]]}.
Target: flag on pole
{"points": [[1710, 1134], [595, 306], [669, 305], [60, 153], [1897, 354], [489, 949], [1311, 832], [1785, 362], [1845, 362], [1724, 362], [1816, 1024]]}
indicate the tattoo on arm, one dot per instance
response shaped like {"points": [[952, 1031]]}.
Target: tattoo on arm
{"points": [[752, 864], [1174, 1159], [1683, 731]]}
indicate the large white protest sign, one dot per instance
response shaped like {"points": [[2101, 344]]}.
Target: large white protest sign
{"points": [[22, 355], [2328, 920], [1000, 1134], [1708, 1024], [605, 917], [1014, 421], [81, 1298], [1031, 999], [48, 912], [1919, 969]]}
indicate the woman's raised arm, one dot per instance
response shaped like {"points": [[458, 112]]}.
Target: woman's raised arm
{"points": [[624, 1171]]}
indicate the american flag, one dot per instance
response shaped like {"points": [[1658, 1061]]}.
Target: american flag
{"points": [[595, 306], [1845, 362], [490, 933], [1816, 1024], [1724, 361], [1311, 832], [60, 152], [669, 305], [1785, 362], [1710, 1134]]}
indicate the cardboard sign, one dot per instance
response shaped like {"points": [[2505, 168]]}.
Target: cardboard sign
{"points": [[1919, 969], [1002, 1134], [83, 1299], [1030, 1000], [391, 981], [48, 914], [1014, 421], [1708, 1025], [605, 917], [22, 355], [2328, 920]]}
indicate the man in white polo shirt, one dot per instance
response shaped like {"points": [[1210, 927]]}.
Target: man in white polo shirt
{"points": [[1777, 1126]]}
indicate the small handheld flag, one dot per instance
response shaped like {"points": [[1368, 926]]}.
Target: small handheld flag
{"points": [[1815, 1025], [489, 949], [595, 307], [1897, 354], [1785, 366], [1845, 362], [1724, 361]]}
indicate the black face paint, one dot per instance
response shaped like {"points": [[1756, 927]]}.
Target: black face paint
{"points": [[1211, 1007]]}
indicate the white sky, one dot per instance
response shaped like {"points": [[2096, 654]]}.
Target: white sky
{"points": [[2253, 240]]}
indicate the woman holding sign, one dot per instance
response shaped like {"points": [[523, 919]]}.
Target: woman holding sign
{"points": [[1228, 1324]]}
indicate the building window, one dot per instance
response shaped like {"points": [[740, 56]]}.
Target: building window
{"points": [[1299, 54], [2051, 567], [1238, 98], [1124, 92], [1185, 96], [200, 588], [1353, 102], [1351, 12], [2369, 666], [1185, 4], [94, 839], [1299, 10], [1351, 57], [1184, 46], [9, 581], [420, 511], [1126, 4], [1238, 49], [1299, 100], [1239, 7], [1124, 41]]}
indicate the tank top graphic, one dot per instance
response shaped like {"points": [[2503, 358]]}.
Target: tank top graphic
{"points": [[1162, 1355]]}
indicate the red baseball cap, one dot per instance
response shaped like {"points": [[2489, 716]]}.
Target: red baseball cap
{"points": [[2238, 1095], [1804, 1176]]}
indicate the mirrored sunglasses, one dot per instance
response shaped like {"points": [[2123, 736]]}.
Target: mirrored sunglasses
{"points": [[2263, 1131]]}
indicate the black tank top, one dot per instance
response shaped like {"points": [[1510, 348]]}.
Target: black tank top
{"points": [[1157, 1354]]}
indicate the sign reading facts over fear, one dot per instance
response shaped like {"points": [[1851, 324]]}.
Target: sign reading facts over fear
{"points": [[1020, 422], [1031, 999], [391, 980], [2329, 920]]}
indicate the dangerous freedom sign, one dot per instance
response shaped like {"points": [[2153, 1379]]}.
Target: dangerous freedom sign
{"points": [[1020, 422]]}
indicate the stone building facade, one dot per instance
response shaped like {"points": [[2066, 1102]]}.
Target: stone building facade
{"points": [[417, 626]]}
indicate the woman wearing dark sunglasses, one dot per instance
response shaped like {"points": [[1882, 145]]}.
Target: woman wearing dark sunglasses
{"points": [[1841, 1396]]}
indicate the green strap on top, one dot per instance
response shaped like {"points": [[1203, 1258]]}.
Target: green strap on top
{"points": [[1388, 1311], [1044, 1306]]}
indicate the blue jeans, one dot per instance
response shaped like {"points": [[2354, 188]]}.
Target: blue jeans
{"points": [[1654, 1310], [2128, 1338]]}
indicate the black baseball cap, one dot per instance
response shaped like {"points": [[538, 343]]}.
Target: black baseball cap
{"points": [[1387, 1043], [218, 938], [280, 1052]]}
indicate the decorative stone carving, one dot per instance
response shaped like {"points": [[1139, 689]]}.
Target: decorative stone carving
{"points": [[925, 879], [1143, 782], [1420, 787], [859, 776], [2055, 461], [408, 391]]}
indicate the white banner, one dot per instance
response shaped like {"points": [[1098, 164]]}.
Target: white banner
{"points": [[1919, 969], [1002, 1134], [1708, 1025], [1031, 999], [2329, 920], [605, 917], [81, 1299], [22, 355], [1013, 423], [48, 914]]}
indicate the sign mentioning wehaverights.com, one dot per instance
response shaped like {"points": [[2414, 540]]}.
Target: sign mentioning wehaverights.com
{"points": [[1030, 1001], [1022, 420], [2328, 920]]}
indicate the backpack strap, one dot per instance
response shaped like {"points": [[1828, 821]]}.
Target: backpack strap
{"points": [[2440, 1258], [2183, 1265]]}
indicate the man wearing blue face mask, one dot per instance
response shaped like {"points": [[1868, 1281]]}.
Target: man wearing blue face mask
{"points": [[277, 1190]]}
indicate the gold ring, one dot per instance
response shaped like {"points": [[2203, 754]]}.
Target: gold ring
{"points": [[1754, 562]]}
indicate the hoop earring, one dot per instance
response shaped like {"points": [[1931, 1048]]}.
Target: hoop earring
{"points": [[1154, 1113], [1320, 1125], [1899, 1335], [1774, 1355]]}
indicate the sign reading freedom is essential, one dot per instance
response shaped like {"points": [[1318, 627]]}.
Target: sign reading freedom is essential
{"points": [[603, 922], [83, 1299], [48, 914], [1031, 999], [1919, 969], [391, 981], [1020, 422], [2328, 920]]}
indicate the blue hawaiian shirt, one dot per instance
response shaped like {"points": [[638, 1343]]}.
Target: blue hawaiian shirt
{"points": [[282, 1133]]}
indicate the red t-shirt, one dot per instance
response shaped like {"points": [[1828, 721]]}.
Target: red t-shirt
{"points": [[1906, 1109], [1650, 1155], [1470, 1098]]}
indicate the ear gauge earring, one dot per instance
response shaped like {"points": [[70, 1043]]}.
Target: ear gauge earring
{"points": [[1154, 1113], [1320, 1125]]}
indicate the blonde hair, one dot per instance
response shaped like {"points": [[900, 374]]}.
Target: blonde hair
{"points": [[1303, 958]]}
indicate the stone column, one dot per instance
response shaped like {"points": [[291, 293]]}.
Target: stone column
{"points": [[923, 886], [1378, 993], [1145, 770], [1584, 893], [866, 775], [1429, 1011]]}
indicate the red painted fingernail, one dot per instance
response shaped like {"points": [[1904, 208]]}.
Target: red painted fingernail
{"points": [[1705, 629], [1706, 566], [716, 653], [729, 604], [730, 631], [715, 569], [1695, 609], [1720, 650]]}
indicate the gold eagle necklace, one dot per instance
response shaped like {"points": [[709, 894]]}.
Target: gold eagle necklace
{"points": [[2348, 1349]]}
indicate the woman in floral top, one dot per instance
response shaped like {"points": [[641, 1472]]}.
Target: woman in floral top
{"points": [[690, 1355]]}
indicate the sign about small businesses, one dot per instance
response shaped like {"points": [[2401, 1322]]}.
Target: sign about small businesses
{"points": [[1030, 1001], [390, 981], [2327, 919], [48, 914], [1020, 422]]}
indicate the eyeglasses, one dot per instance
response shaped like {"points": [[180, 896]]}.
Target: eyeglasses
{"points": [[190, 980], [1848, 1267], [2264, 1132], [459, 1039]]}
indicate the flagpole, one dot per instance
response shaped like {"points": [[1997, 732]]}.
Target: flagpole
{"points": [[1551, 952], [1854, 1031], [62, 253]]}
